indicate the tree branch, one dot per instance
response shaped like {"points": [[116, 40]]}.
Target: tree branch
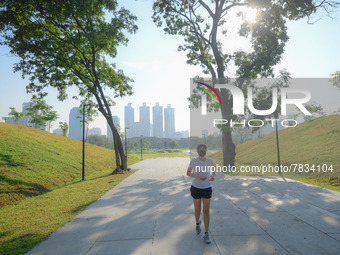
{"points": [[206, 7]]}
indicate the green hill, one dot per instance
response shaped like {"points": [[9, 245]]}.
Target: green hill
{"points": [[40, 187], [33, 162], [315, 142]]}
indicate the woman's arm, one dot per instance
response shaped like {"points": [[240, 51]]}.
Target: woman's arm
{"points": [[212, 174], [189, 173]]}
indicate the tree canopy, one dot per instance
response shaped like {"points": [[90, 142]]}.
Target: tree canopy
{"points": [[17, 115], [69, 43], [336, 79], [40, 112], [203, 25]]}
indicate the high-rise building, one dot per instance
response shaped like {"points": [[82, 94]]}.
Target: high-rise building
{"points": [[94, 131], [116, 122], [144, 119], [129, 114], [169, 122], [157, 117], [75, 124], [25, 120]]}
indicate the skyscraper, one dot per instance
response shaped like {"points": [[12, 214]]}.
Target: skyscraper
{"points": [[169, 121], [25, 120], [144, 119], [157, 117], [75, 124], [94, 131], [129, 114]]}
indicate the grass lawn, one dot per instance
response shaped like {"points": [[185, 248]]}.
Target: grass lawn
{"points": [[27, 222], [315, 142], [40, 183]]}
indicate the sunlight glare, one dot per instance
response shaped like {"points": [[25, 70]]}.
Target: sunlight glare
{"points": [[250, 15]]}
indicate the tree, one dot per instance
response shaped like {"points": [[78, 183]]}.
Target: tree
{"points": [[336, 82], [17, 115], [147, 145], [69, 43], [40, 112], [173, 144], [336, 79], [203, 25], [99, 140], [313, 107], [242, 135], [64, 127]]}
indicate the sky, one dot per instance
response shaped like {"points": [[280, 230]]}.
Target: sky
{"points": [[160, 72]]}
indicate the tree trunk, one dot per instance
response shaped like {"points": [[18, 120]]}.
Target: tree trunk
{"points": [[227, 142], [121, 160], [226, 109], [228, 148]]}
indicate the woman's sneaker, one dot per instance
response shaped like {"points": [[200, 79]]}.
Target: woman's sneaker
{"points": [[206, 238], [198, 228]]}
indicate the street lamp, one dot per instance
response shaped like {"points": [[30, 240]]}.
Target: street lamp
{"points": [[278, 147], [125, 142], [83, 170]]}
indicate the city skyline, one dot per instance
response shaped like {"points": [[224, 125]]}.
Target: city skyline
{"points": [[144, 124], [163, 123]]}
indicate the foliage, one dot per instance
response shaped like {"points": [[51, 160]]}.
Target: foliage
{"points": [[212, 142], [100, 140], [314, 107], [156, 143], [147, 145], [173, 144], [17, 115], [336, 79], [203, 25], [68, 43], [40, 112], [64, 127]]}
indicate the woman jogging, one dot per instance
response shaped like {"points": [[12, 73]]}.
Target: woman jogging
{"points": [[202, 171]]}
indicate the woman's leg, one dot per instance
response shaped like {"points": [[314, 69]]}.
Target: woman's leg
{"points": [[197, 206], [206, 213]]}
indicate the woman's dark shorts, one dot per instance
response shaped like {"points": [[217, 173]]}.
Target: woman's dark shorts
{"points": [[200, 193]]}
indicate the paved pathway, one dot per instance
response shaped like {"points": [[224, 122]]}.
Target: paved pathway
{"points": [[151, 212]]}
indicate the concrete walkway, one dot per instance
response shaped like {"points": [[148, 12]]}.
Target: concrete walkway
{"points": [[151, 212]]}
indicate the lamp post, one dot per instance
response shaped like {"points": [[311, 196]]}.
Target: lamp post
{"points": [[125, 142], [141, 147], [83, 169], [278, 148]]}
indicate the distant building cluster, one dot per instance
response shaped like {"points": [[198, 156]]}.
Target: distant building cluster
{"points": [[163, 122]]}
